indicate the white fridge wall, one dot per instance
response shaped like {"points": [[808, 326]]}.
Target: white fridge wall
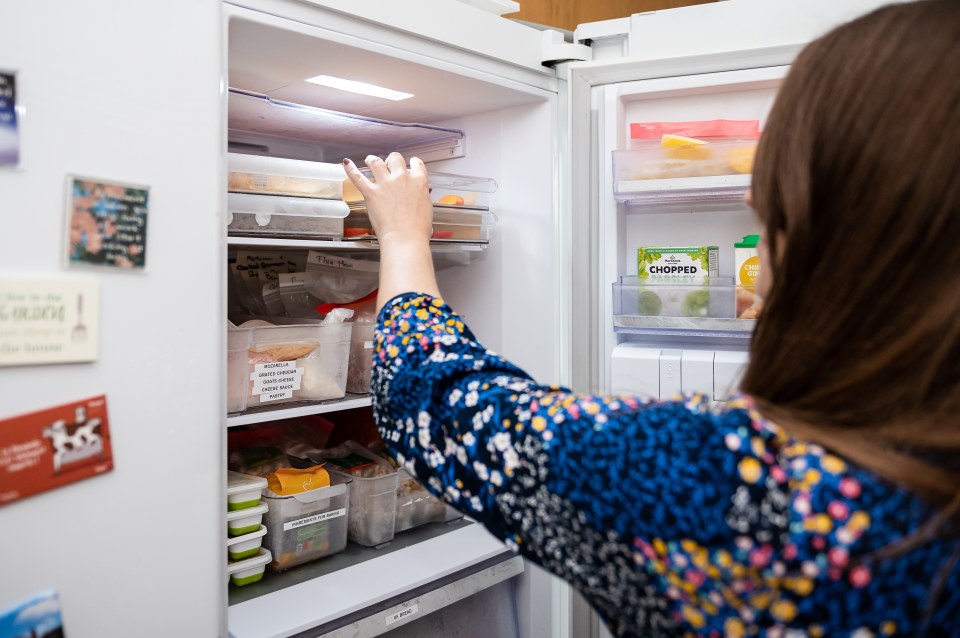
{"points": [[126, 91]]}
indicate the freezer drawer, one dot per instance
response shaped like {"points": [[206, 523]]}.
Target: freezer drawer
{"points": [[662, 373]]}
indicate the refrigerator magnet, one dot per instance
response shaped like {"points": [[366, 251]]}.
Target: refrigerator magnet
{"points": [[106, 224], [49, 321], [51, 448], [10, 117], [38, 615]]}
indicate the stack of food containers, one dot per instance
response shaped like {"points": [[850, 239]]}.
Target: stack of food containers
{"points": [[245, 529], [277, 197], [309, 525]]}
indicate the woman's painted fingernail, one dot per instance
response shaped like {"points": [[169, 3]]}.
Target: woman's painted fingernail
{"points": [[346, 161]]}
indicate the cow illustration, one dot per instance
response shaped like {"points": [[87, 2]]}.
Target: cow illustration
{"points": [[83, 443]]}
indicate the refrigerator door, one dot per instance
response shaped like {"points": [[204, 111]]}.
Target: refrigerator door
{"points": [[129, 93]]}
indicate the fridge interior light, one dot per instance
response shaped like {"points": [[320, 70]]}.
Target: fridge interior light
{"points": [[355, 86]]}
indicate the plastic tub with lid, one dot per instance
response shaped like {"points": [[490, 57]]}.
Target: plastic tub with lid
{"points": [[245, 521], [249, 570], [243, 490], [282, 176], [241, 547], [310, 525], [373, 495]]}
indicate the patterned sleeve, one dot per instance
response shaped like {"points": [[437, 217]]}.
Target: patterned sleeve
{"points": [[571, 481]]}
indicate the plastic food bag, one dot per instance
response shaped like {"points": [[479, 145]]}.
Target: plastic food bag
{"points": [[327, 280]]}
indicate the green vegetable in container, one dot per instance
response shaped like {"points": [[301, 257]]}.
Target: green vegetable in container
{"points": [[696, 304], [649, 304]]}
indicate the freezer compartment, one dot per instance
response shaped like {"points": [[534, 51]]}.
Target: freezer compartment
{"points": [[298, 362], [681, 306], [416, 506], [274, 216], [280, 176], [646, 178], [307, 526]]}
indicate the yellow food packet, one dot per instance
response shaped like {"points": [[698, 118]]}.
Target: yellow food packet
{"points": [[288, 480]]}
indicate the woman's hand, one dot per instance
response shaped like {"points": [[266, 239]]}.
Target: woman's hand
{"points": [[398, 200]]}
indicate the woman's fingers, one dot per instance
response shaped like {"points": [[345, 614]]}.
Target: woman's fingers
{"points": [[377, 167], [396, 163], [417, 167], [359, 179]]}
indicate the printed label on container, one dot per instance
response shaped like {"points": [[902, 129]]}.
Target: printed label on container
{"points": [[276, 380], [403, 613], [316, 518]]}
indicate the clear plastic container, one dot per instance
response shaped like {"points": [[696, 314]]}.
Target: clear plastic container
{"points": [[274, 216], [241, 547], [373, 501], [678, 306], [361, 357], [244, 491], [249, 570], [240, 522], [307, 526], [281, 176], [457, 224], [303, 362], [238, 344], [446, 189], [416, 506]]}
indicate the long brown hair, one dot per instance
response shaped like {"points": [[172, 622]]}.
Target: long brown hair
{"points": [[857, 182]]}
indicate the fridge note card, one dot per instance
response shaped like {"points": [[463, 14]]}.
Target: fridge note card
{"points": [[48, 320], [9, 126], [54, 447], [106, 224]]}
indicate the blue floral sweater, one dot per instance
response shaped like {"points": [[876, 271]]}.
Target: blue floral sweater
{"points": [[669, 517]]}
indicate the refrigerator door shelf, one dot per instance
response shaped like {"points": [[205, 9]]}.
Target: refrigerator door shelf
{"points": [[683, 194], [684, 327], [251, 112]]}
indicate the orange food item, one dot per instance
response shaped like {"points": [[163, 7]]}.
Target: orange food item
{"points": [[741, 158], [357, 232], [454, 200]]}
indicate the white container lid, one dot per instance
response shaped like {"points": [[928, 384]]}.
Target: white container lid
{"points": [[283, 205], [261, 559], [247, 537], [250, 511], [237, 483], [241, 163]]}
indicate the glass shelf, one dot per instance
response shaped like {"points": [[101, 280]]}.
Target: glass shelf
{"points": [[257, 113]]}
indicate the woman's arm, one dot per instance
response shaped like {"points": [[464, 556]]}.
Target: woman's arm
{"points": [[398, 203]]}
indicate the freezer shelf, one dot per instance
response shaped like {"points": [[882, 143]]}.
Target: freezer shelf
{"points": [[266, 413], [368, 583], [683, 194], [257, 113], [681, 306]]}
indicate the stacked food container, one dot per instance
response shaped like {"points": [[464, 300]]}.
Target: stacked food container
{"points": [[245, 529], [278, 197]]}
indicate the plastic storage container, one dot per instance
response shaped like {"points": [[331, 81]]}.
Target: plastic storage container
{"points": [[373, 496], [244, 491], [249, 570], [361, 357], [305, 362], [281, 176], [246, 521], [446, 189], [241, 547], [307, 526], [416, 506], [238, 343], [704, 307], [275, 216]]}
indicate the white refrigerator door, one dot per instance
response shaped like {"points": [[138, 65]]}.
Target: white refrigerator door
{"points": [[128, 92]]}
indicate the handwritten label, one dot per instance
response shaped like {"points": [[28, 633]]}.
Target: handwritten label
{"points": [[106, 224], [403, 614], [48, 321], [316, 518], [324, 260]]}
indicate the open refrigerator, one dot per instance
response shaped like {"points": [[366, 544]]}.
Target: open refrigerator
{"points": [[535, 113]]}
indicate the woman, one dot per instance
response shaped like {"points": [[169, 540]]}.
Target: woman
{"points": [[824, 501]]}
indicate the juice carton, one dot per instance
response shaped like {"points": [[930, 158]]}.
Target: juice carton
{"points": [[746, 270]]}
